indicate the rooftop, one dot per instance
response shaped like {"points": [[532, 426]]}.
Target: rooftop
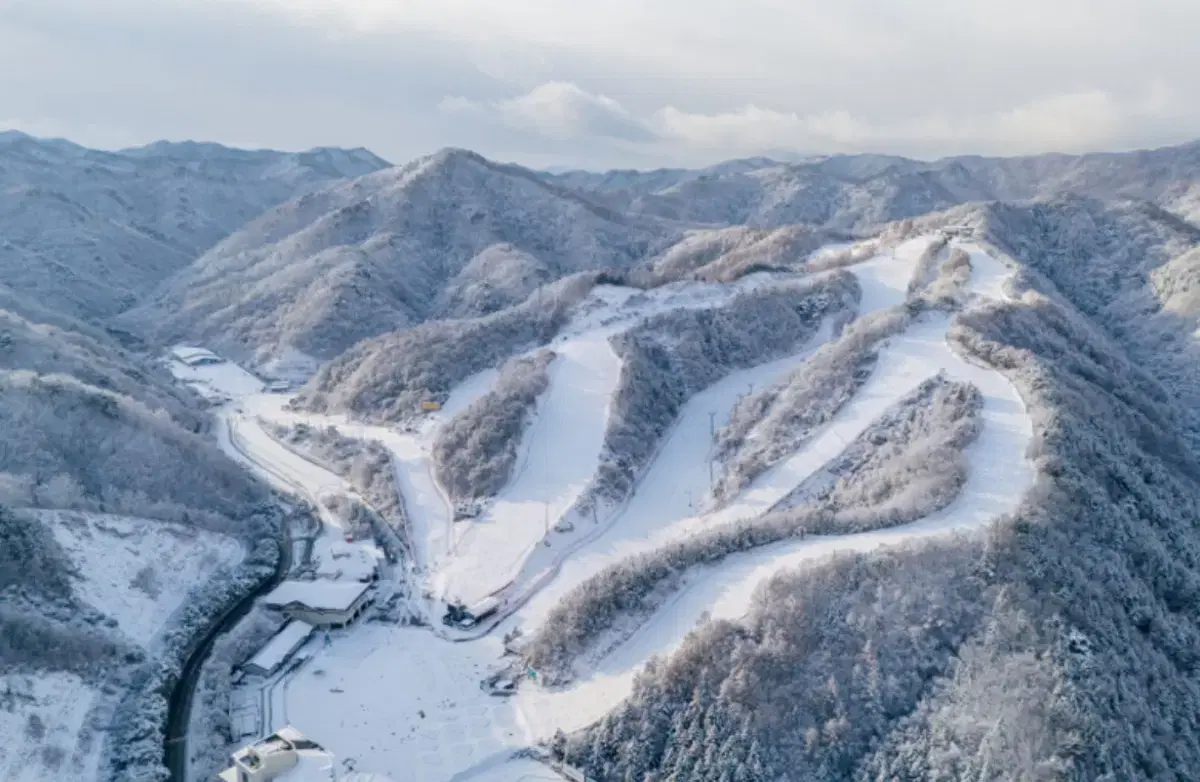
{"points": [[280, 646], [318, 595], [312, 765]]}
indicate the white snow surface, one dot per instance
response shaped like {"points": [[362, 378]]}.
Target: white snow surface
{"points": [[214, 381], [61, 702], [559, 455], [363, 696], [111, 553], [320, 594], [560, 451], [281, 645], [138, 572], [676, 487], [999, 476]]}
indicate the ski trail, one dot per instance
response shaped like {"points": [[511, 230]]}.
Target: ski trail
{"points": [[670, 498], [999, 476], [559, 452]]}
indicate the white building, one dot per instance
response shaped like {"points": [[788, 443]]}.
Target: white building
{"points": [[195, 357], [279, 649], [320, 603], [277, 757], [288, 756]]}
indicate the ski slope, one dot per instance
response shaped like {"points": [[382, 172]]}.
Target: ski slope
{"points": [[402, 698], [671, 498], [999, 475], [558, 457], [560, 452]]}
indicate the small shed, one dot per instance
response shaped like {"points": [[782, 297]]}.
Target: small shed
{"points": [[279, 649]]}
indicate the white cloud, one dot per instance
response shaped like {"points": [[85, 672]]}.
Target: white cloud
{"points": [[557, 110], [623, 82], [1074, 122]]}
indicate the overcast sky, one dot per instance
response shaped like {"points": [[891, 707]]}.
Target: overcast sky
{"points": [[640, 83]]}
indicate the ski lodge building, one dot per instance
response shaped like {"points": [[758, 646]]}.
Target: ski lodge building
{"points": [[320, 604]]}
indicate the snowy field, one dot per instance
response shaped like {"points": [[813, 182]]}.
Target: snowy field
{"points": [[213, 381], [46, 718], [137, 571], [402, 700]]}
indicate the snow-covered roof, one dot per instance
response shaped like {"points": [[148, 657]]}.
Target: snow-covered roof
{"points": [[312, 765], [320, 595], [337, 559], [191, 355], [279, 648]]}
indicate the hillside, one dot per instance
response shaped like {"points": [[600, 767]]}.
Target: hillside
{"points": [[449, 234], [860, 191], [847, 468], [87, 232]]}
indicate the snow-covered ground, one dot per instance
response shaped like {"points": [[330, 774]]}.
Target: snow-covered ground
{"points": [[671, 498], [402, 700], [137, 571], [44, 720], [560, 452], [999, 476], [214, 381], [558, 458]]}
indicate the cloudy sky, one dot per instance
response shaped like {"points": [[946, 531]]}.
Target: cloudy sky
{"points": [[601, 84]]}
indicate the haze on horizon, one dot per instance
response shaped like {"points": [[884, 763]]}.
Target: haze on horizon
{"points": [[544, 83]]}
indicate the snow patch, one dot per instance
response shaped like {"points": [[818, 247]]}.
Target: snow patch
{"points": [[43, 720], [139, 571]]}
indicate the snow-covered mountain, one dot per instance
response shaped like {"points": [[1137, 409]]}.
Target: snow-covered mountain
{"points": [[88, 232], [448, 234], [849, 467], [849, 191]]}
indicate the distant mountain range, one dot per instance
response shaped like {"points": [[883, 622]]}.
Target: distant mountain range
{"points": [[88, 233]]}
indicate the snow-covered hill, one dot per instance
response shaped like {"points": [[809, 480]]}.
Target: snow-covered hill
{"points": [[851, 467], [87, 232], [521, 550], [385, 252], [845, 192], [127, 583]]}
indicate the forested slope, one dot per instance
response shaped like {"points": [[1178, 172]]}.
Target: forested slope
{"points": [[1061, 645]]}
